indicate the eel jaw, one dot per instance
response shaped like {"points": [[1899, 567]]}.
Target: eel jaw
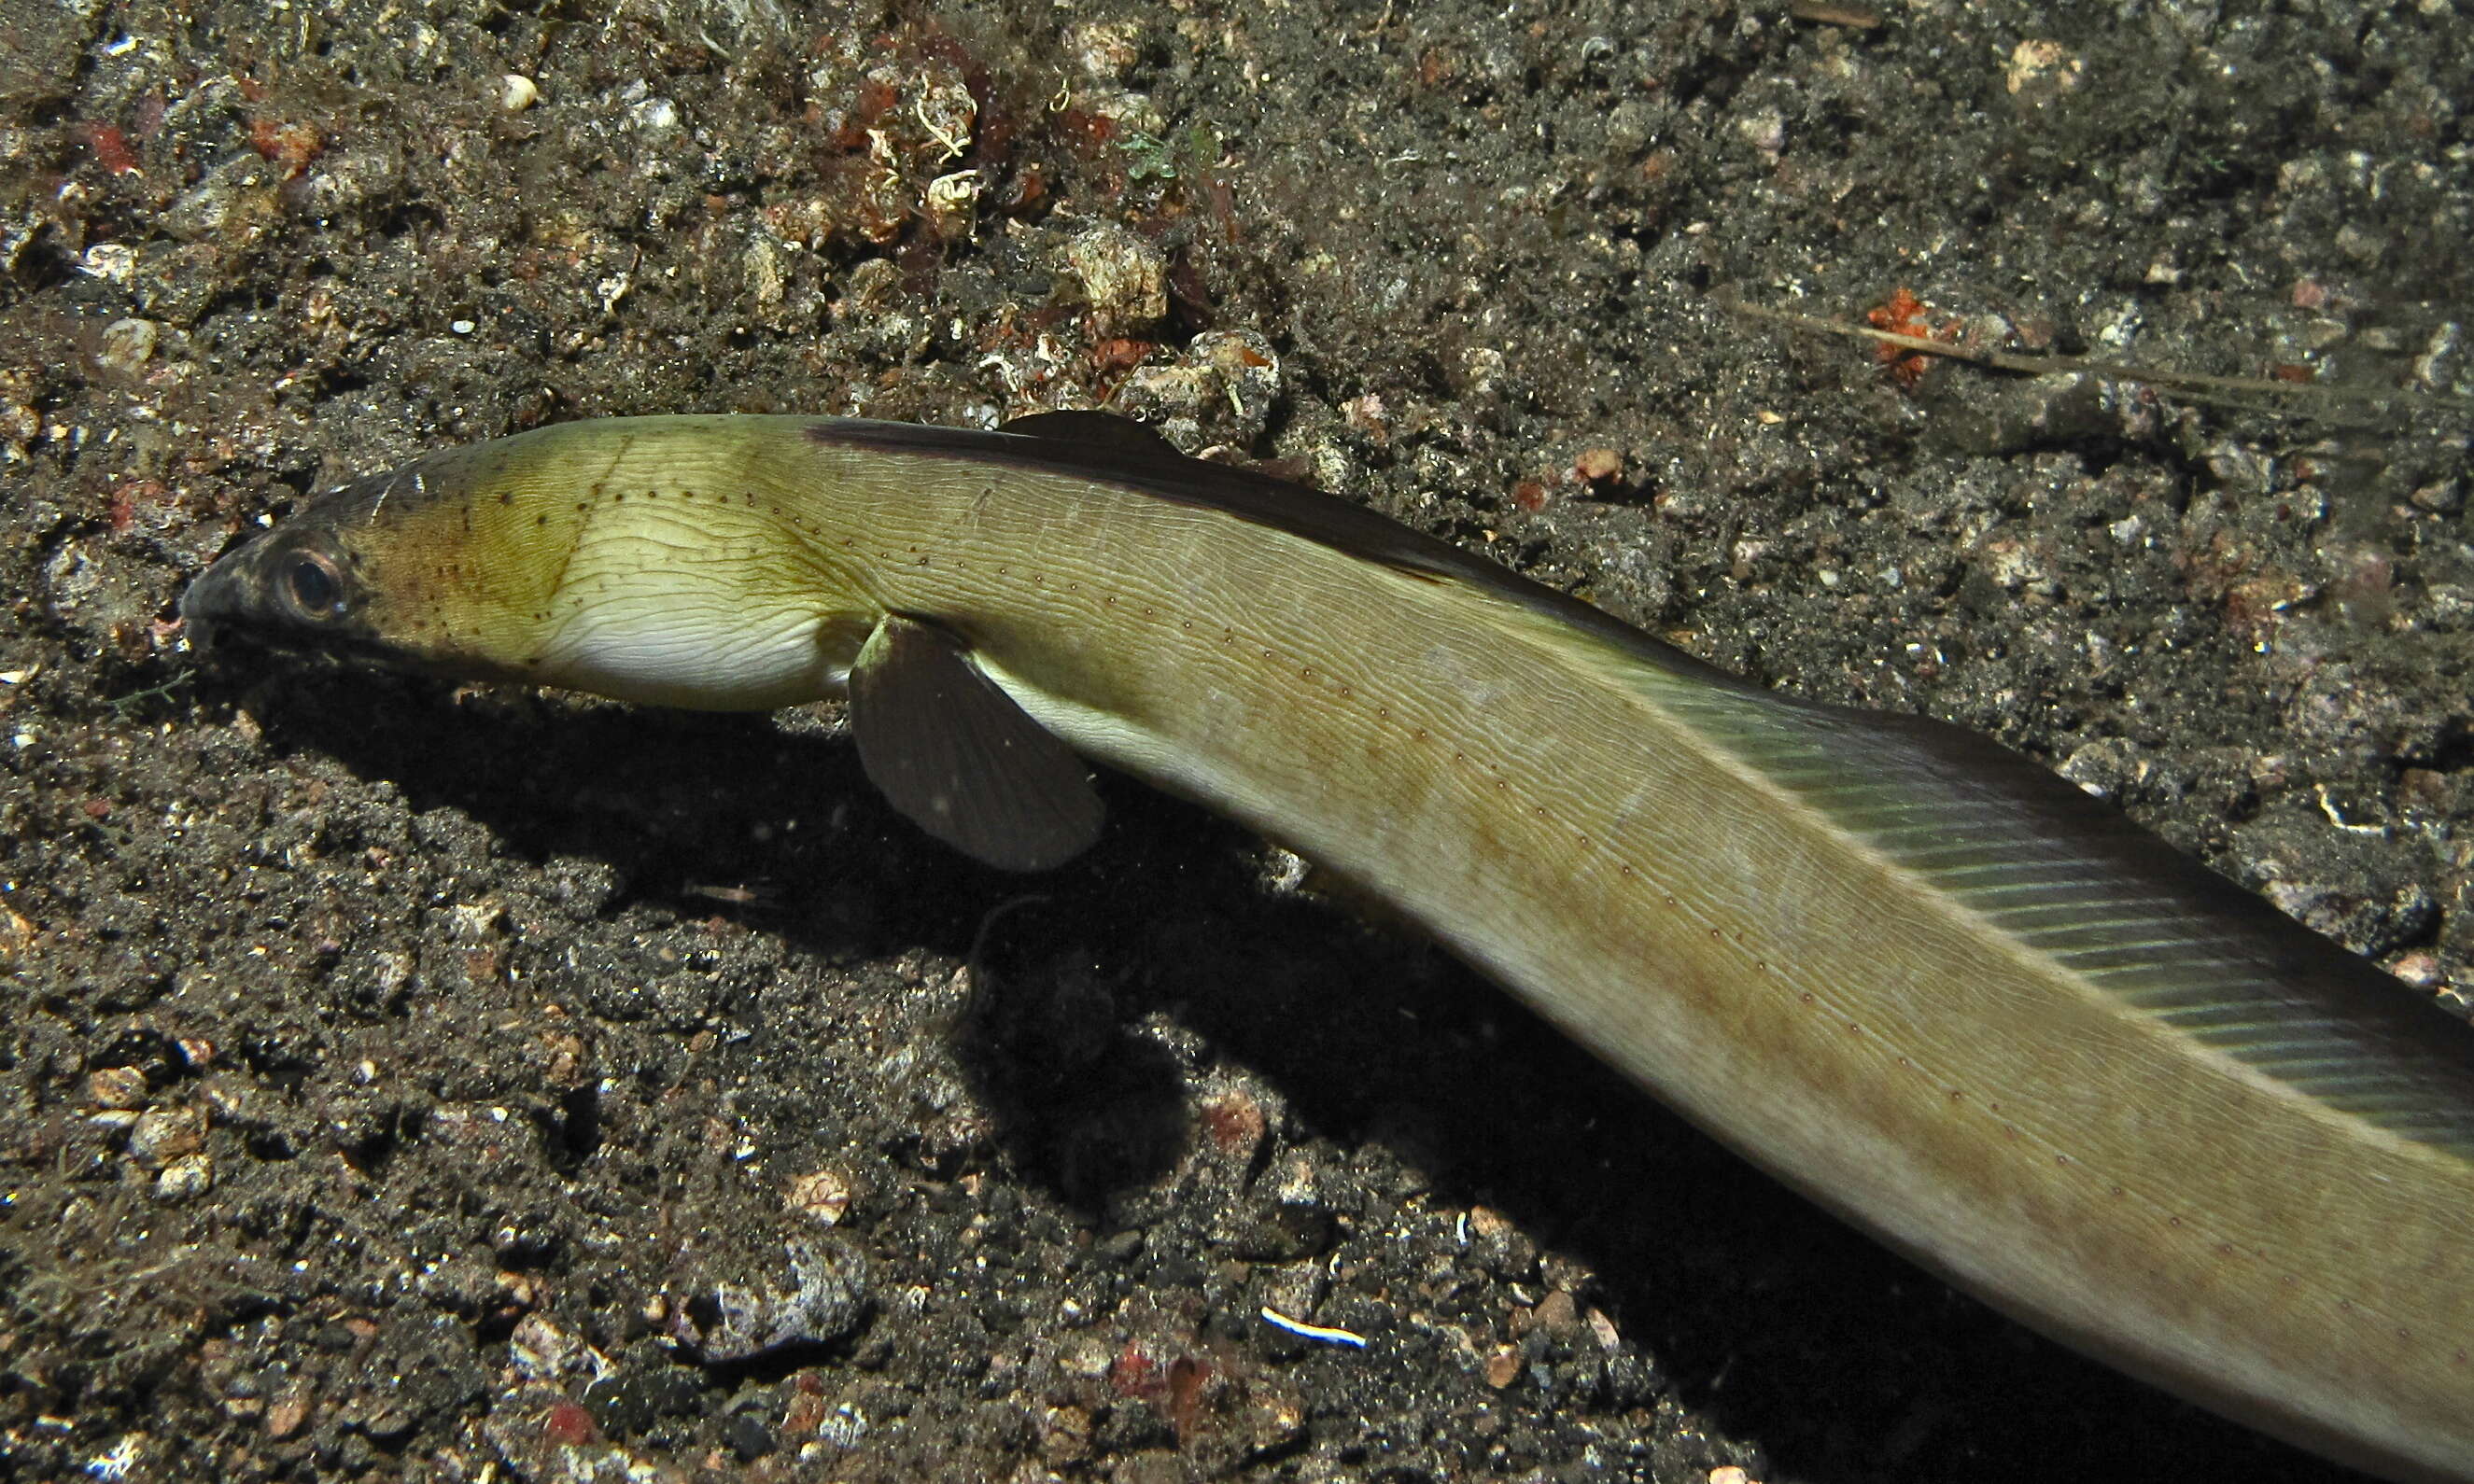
{"points": [[213, 603]]}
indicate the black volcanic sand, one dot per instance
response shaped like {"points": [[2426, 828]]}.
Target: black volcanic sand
{"points": [[411, 1083]]}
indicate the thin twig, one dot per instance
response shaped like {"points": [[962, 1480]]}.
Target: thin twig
{"points": [[2234, 391]]}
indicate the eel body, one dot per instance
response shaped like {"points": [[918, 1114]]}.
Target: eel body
{"points": [[1910, 973]]}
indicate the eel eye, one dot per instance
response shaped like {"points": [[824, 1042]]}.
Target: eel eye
{"points": [[313, 587]]}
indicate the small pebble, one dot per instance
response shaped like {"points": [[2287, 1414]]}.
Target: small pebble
{"points": [[748, 1437], [2444, 498], [128, 345], [162, 1135], [1105, 51], [845, 1426], [822, 1297], [390, 1424], [2419, 970], [1124, 277], [1598, 465], [2042, 70], [952, 203], [541, 1351], [189, 1175], [120, 1088], [1604, 1329], [822, 1196], [568, 1426], [1556, 1314], [1502, 1367], [655, 117]]}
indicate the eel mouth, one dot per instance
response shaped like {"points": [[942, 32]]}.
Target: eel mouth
{"points": [[212, 606]]}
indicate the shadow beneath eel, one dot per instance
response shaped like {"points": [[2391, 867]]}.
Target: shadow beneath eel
{"points": [[1848, 1363]]}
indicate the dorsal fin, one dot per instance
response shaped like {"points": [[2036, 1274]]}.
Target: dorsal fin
{"points": [[1091, 429]]}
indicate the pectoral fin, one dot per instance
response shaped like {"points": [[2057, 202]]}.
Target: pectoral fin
{"points": [[959, 759]]}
